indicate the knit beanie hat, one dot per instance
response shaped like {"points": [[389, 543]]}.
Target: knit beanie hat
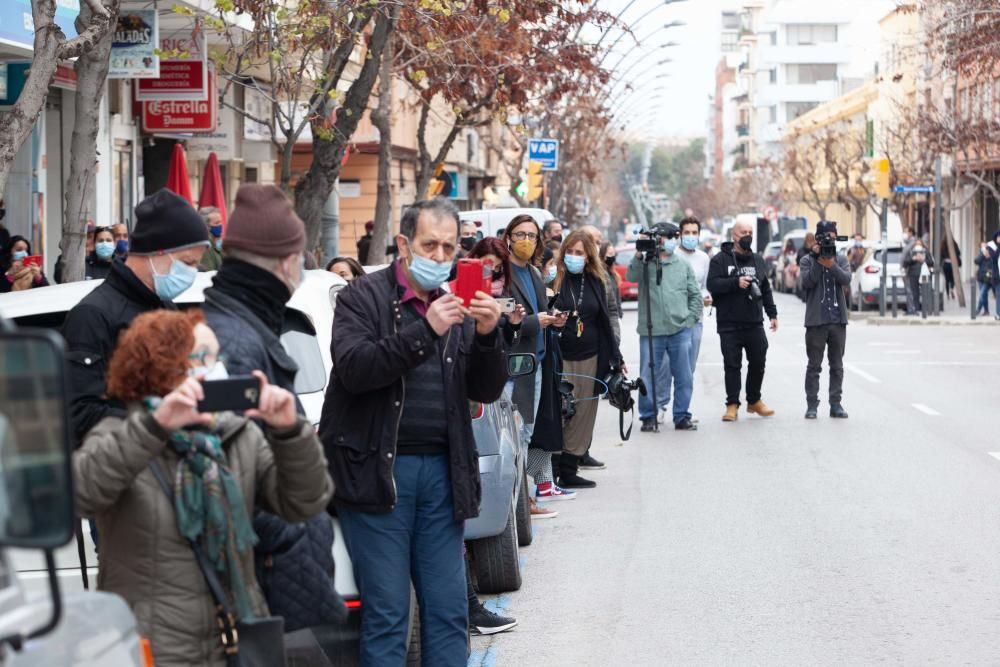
{"points": [[263, 222], [164, 222]]}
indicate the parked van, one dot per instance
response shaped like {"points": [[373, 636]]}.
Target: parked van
{"points": [[493, 221]]}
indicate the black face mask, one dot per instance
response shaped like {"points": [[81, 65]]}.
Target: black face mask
{"points": [[557, 238], [3, 213], [610, 262], [467, 242], [746, 243]]}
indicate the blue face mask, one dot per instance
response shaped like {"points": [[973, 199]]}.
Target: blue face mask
{"points": [[689, 242], [670, 245], [179, 278], [574, 263], [105, 249], [18, 256], [216, 231], [121, 247], [427, 273], [550, 275]]}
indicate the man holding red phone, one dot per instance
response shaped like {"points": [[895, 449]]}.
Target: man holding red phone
{"points": [[396, 427]]}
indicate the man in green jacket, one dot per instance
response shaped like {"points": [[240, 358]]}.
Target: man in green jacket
{"points": [[676, 305]]}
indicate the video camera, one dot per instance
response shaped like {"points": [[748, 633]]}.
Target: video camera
{"points": [[828, 243], [651, 244]]}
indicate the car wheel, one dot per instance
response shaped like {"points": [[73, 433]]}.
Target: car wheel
{"points": [[525, 533], [496, 559], [413, 639]]}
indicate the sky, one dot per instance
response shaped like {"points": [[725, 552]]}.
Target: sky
{"points": [[669, 101]]}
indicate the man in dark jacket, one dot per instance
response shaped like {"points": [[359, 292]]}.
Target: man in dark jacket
{"points": [[737, 280], [824, 280], [396, 427], [365, 243], [261, 268], [167, 244]]}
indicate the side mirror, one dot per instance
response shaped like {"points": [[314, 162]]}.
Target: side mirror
{"points": [[36, 493], [520, 364]]}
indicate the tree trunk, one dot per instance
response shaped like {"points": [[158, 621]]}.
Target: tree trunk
{"points": [[860, 212], [287, 152], [313, 189], [382, 120], [91, 74]]}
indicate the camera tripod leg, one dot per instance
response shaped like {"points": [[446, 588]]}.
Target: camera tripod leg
{"points": [[649, 342]]}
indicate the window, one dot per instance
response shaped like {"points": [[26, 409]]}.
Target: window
{"points": [[805, 34], [796, 109], [730, 42], [730, 21], [773, 75], [809, 74], [772, 114]]}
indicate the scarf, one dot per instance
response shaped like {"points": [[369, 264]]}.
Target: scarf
{"points": [[210, 509], [259, 290]]}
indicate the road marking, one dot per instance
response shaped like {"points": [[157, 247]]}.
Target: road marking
{"points": [[926, 410], [857, 371], [995, 455]]}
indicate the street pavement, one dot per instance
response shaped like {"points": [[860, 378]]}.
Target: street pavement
{"points": [[780, 541]]}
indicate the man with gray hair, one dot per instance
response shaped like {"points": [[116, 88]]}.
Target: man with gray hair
{"points": [[213, 220]]}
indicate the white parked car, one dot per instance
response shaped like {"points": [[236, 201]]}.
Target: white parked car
{"points": [[494, 220], [866, 283]]}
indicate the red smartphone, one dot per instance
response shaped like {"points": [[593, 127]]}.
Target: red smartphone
{"points": [[471, 276], [33, 260]]}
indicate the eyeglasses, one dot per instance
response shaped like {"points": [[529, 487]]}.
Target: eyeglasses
{"points": [[207, 357], [524, 236]]}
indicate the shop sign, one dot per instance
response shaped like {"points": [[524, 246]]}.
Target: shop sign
{"points": [[221, 141], [182, 115], [65, 77], [133, 51], [180, 78], [17, 28]]}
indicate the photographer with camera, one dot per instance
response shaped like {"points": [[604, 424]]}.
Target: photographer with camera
{"points": [[825, 274], [672, 302], [737, 280]]}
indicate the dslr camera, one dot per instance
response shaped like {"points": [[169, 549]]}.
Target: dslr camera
{"points": [[651, 244], [828, 243], [755, 293]]}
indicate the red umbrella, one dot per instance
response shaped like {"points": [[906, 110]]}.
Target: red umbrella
{"points": [[177, 177], [211, 188]]}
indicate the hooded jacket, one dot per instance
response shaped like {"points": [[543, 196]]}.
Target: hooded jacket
{"points": [[144, 557], [734, 309]]}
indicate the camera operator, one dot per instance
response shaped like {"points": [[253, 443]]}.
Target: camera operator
{"points": [[675, 305], [737, 280], [825, 274]]}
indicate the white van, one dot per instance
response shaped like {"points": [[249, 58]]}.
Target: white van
{"points": [[493, 221]]}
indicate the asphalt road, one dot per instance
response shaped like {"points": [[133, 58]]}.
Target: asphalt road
{"points": [[780, 541]]}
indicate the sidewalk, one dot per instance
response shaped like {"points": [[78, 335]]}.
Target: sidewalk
{"points": [[951, 315]]}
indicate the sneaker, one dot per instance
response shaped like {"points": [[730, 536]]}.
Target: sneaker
{"points": [[685, 425], [575, 482], [539, 512], [482, 621], [648, 425], [549, 491], [588, 462]]}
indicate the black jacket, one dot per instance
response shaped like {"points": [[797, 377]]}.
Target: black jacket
{"points": [[547, 434], [372, 352], [734, 308], [96, 269], [91, 331], [609, 356], [526, 340]]}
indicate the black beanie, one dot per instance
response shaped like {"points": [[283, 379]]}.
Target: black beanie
{"points": [[165, 221]]}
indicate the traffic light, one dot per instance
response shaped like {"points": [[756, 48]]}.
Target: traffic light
{"points": [[436, 186], [881, 182], [535, 178]]}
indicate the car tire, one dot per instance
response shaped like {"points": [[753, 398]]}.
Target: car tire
{"points": [[525, 532], [497, 560], [413, 639]]}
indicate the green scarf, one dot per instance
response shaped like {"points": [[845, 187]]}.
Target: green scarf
{"points": [[210, 509]]}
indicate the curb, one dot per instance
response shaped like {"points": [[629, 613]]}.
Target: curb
{"points": [[929, 322]]}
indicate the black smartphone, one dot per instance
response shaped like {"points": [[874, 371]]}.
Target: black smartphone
{"points": [[235, 394]]}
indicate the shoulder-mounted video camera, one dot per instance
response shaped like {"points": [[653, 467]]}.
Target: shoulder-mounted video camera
{"points": [[827, 242], [661, 230]]}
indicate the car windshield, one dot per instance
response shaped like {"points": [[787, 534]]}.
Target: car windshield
{"points": [[895, 256]]}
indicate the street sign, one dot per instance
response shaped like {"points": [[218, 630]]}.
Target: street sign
{"points": [[913, 189], [545, 151], [182, 115]]}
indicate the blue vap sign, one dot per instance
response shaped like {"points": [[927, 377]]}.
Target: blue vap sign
{"points": [[545, 151]]}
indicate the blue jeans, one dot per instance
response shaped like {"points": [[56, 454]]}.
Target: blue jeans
{"points": [[984, 297], [421, 541], [676, 348]]}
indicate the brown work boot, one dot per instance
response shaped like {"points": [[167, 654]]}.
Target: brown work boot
{"points": [[732, 412], [760, 407]]}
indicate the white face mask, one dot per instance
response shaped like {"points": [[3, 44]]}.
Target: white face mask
{"points": [[207, 374]]}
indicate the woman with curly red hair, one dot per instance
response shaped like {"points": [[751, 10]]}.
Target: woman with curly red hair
{"points": [[221, 465]]}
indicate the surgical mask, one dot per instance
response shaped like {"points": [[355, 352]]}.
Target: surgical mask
{"points": [[427, 273], [670, 245], [574, 263], [690, 243], [746, 242], [105, 249], [467, 243], [550, 274], [170, 285], [121, 247], [216, 231], [205, 374], [18, 255], [524, 250], [218, 244]]}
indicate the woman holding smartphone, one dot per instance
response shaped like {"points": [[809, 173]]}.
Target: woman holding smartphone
{"points": [[21, 272], [588, 345]]}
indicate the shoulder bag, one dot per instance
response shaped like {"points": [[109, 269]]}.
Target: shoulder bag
{"points": [[255, 643]]}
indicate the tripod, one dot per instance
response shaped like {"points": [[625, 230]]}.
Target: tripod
{"points": [[649, 258]]}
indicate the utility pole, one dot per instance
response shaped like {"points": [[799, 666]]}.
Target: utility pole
{"points": [[884, 225], [938, 245]]}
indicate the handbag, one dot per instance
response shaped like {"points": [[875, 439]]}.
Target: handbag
{"points": [[259, 642]]}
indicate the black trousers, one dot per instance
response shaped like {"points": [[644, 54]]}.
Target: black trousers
{"points": [[754, 341], [833, 339]]}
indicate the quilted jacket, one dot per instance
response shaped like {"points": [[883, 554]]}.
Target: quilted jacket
{"points": [[143, 556]]}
